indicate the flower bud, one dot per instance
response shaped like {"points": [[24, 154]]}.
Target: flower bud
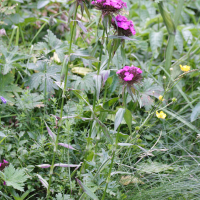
{"points": [[174, 99], [2, 32]]}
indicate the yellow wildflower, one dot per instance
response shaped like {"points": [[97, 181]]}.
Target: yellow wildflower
{"points": [[161, 98], [161, 115], [185, 68]]}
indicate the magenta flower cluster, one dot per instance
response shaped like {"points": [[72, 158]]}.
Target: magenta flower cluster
{"points": [[109, 6], [130, 75], [117, 4], [124, 26]]}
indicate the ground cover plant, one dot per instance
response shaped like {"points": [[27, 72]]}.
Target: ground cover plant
{"points": [[99, 99]]}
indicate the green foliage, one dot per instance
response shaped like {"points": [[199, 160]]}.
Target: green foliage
{"points": [[28, 101], [44, 78], [69, 64], [9, 59], [8, 87], [15, 178]]}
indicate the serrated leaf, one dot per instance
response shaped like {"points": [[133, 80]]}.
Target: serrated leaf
{"points": [[45, 77], [52, 44], [147, 89], [83, 83], [195, 112], [15, 178], [29, 100], [10, 58]]}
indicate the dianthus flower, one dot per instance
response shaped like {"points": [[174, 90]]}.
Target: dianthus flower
{"points": [[3, 99], [3, 164], [185, 68], [109, 6], [123, 25], [130, 75]]}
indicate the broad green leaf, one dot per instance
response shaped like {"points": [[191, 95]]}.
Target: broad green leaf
{"points": [[29, 100], [195, 112], [45, 77], [10, 58], [118, 118], [8, 87], [42, 3], [148, 89], [15, 178], [178, 42], [156, 40], [128, 119], [52, 44], [85, 83], [2, 134], [87, 190], [187, 36]]}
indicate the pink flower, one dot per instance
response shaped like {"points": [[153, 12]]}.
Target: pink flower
{"points": [[109, 6], [126, 68], [5, 161], [130, 75], [123, 25], [119, 71]]}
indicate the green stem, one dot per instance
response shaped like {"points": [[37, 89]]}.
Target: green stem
{"points": [[170, 26], [38, 32], [61, 113], [73, 28], [10, 41], [111, 165], [17, 37]]}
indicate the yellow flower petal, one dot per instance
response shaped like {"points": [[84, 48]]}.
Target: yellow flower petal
{"points": [[185, 68], [161, 98], [161, 115]]}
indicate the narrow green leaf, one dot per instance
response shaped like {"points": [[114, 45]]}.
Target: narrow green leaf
{"points": [[194, 128], [195, 112], [128, 119], [42, 3], [118, 118], [87, 190]]}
